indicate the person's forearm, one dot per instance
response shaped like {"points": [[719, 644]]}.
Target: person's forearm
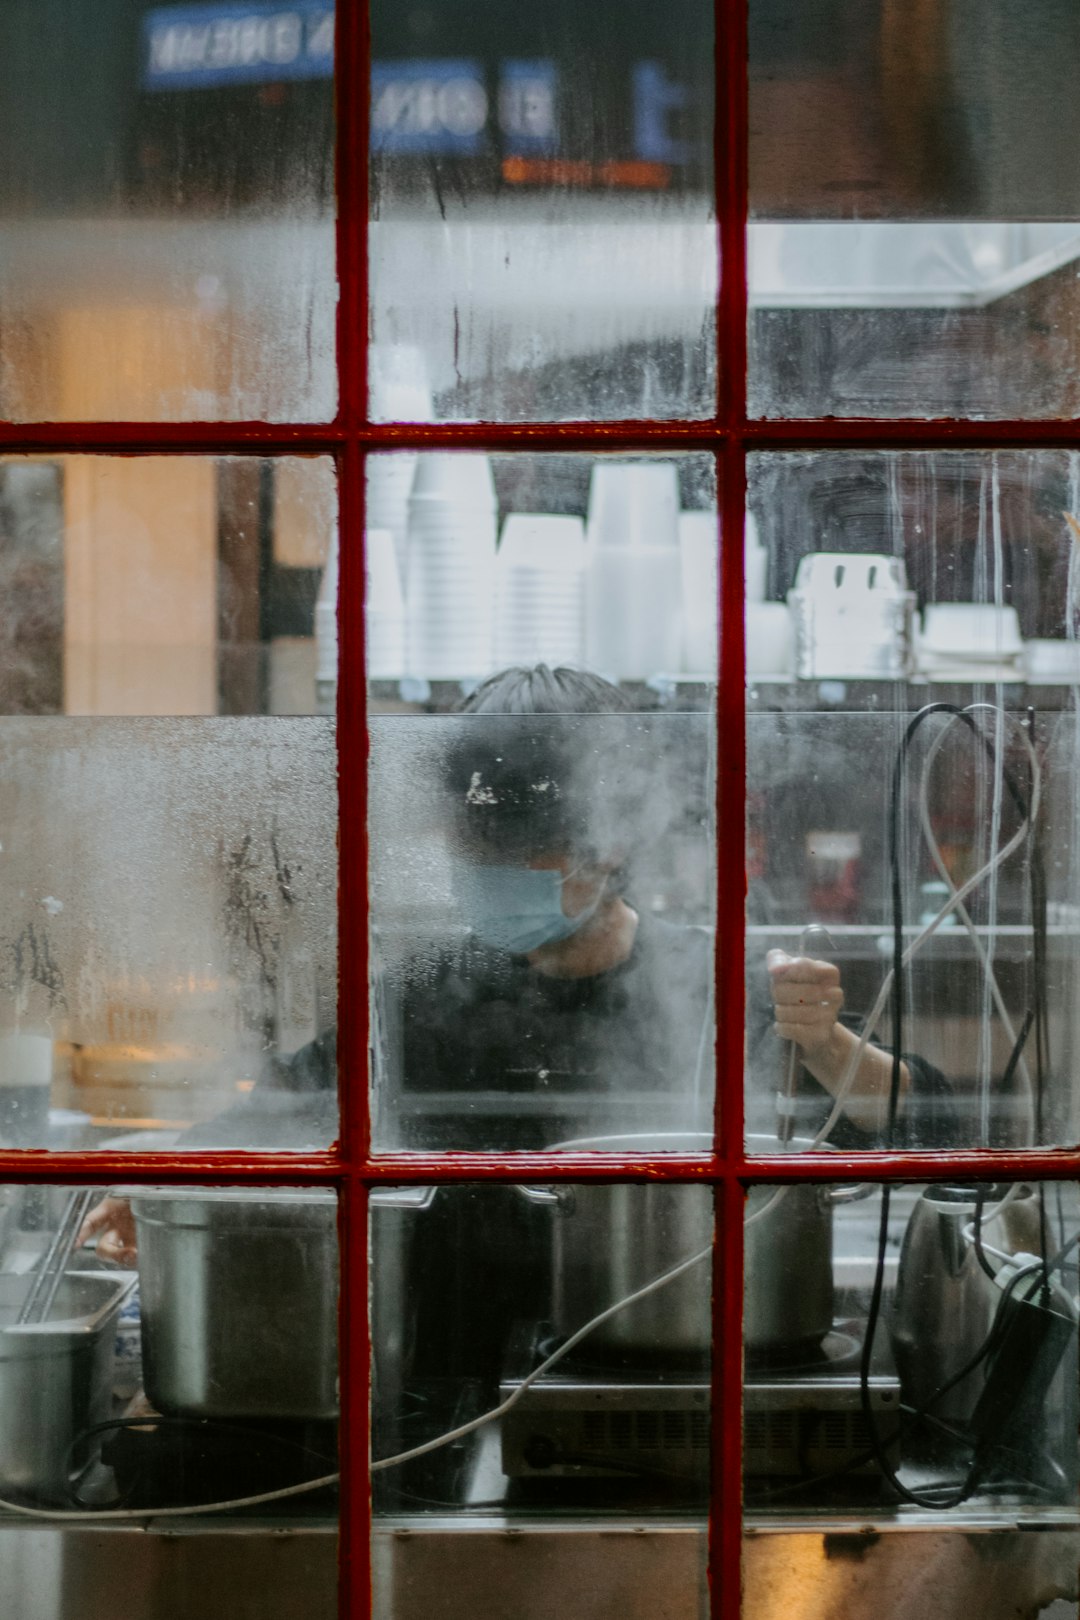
{"points": [[866, 1102]]}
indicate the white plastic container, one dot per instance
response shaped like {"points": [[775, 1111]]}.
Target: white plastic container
{"points": [[770, 640], [540, 591], [450, 568], [853, 616], [1052, 663], [634, 503], [699, 558], [959, 635], [756, 562], [633, 596], [384, 608]]}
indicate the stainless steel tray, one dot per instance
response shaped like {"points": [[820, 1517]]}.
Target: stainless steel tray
{"points": [[55, 1377]]}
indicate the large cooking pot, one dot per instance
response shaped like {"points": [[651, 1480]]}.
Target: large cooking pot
{"points": [[609, 1240], [239, 1291]]}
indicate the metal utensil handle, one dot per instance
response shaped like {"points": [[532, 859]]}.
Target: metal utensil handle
{"points": [[42, 1291]]}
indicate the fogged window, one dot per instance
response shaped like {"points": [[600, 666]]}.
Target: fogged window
{"points": [[915, 213], [166, 191], [167, 801], [517, 156], [498, 841], [890, 585]]}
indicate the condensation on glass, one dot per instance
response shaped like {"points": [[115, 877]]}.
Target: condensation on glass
{"points": [[915, 215], [477, 563], [480, 1295], [169, 927], [543, 239], [167, 585], [921, 1375], [542, 922], [216, 1306], [168, 213], [890, 583]]}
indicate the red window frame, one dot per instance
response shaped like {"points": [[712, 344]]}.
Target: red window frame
{"points": [[729, 434]]}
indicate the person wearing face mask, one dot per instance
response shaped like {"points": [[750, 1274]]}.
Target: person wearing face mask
{"points": [[566, 1001]]}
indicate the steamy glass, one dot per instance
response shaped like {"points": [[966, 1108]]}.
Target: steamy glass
{"points": [[498, 1024], [922, 1366], [168, 802], [513, 1373], [892, 583], [914, 209], [170, 1350], [166, 192], [517, 155]]}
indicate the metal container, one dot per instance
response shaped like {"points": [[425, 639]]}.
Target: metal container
{"points": [[239, 1291], [944, 1305], [55, 1378], [609, 1240], [393, 1213]]}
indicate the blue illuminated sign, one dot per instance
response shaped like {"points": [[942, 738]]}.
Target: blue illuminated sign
{"points": [[429, 106], [419, 106], [191, 47], [527, 108]]}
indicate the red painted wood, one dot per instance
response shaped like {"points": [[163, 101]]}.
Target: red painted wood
{"points": [[908, 433], [311, 438], [731, 179], [352, 77], [725, 1518]]}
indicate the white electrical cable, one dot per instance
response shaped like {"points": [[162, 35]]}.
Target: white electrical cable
{"points": [[90, 1515], [956, 899], [954, 903], [984, 956], [435, 1444], [968, 1234], [545, 1366]]}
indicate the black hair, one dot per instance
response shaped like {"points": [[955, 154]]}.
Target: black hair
{"points": [[519, 789], [546, 691]]}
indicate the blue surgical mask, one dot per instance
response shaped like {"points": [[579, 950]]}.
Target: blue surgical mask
{"points": [[515, 908]]}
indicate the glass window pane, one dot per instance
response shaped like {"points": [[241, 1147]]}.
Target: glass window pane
{"points": [[518, 156], [168, 801], [480, 1298], [542, 875], [153, 585], [166, 190], [200, 1370], [915, 213], [896, 582], [168, 939], [916, 1375]]}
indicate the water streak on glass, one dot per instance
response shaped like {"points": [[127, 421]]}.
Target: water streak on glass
{"points": [[884, 585], [543, 243], [169, 934]]}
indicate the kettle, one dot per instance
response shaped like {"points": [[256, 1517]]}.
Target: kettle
{"points": [[943, 1307]]}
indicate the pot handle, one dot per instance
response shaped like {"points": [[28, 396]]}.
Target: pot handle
{"points": [[849, 1195], [548, 1197], [416, 1198]]}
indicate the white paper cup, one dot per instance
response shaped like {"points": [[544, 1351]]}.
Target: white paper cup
{"points": [[462, 476], [634, 504], [26, 1063]]}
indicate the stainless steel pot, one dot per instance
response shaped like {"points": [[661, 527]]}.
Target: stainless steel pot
{"points": [[609, 1240], [56, 1378], [239, 1291]]}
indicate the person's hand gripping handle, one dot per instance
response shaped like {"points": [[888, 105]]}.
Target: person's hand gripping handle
{"points": [[813, 940]]}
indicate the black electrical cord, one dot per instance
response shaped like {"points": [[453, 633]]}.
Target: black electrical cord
{"points": [[207, 1426], [959, 1491], [980, 1197]]}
